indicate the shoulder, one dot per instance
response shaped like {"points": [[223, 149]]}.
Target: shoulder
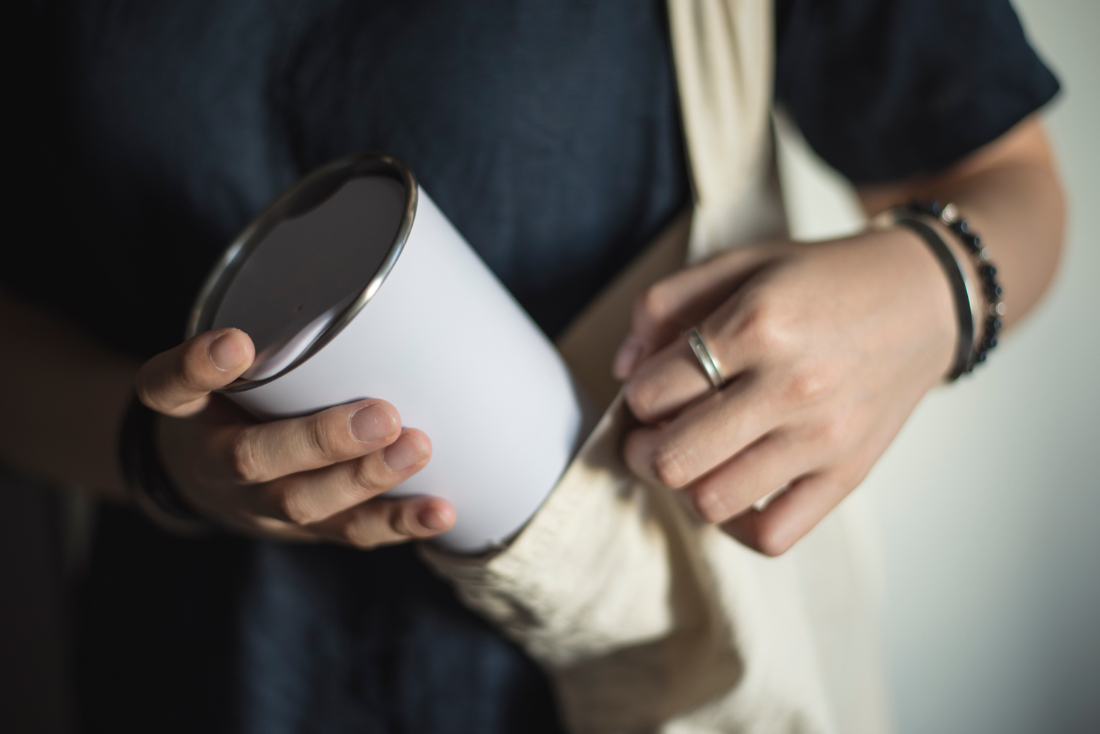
{"points": [[886, 89]]}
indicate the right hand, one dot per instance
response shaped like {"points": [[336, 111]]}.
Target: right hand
{"points": [[317, 477]]}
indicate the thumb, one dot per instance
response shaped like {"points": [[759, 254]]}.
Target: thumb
{"points": [[178, 381]]}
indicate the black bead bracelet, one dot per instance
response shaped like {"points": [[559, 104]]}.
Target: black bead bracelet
{"points": [[948, 214]]}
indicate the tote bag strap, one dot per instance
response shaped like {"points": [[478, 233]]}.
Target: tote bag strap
{"points": [[723, 51], [645, 619]]}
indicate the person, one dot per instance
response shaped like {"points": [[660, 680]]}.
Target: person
{"points": [[550, 134]]}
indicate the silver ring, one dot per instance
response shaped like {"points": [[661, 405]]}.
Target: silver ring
{"points": [[706, 359]]}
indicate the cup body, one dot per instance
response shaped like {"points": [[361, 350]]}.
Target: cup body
{"points": [[443, 341]]}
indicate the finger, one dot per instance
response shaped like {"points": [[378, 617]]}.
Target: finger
{"points": [[773, 530], [702, 436], [750, 476], [262, 452], [386, 521], [668, 381], [664, 310], [313, 496], [178, 381], [744, 332]]}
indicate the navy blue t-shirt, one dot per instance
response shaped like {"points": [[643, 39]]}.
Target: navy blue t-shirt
{"points": [[150, 132]]}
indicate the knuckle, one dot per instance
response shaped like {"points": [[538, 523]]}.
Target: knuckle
{"points": [[710, 505], [807, 385], [361, 540], [192, 368], [358, 532], [363, 477], [652, 305], [244, 462], [669, 465], [834, 433], [397, 521], [764, 329], [772, 541], [294, 508], [642, 398], [323, 438]]}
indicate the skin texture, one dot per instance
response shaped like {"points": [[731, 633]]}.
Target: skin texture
{"points": [[317, 477], [827, 347]]}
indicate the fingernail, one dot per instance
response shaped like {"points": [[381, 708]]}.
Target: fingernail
{"points": [[403, 453], [432, 519], [226, 352], [372, 423], [625, 359]]}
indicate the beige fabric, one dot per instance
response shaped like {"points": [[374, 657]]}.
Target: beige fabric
{"points": [[647, 620], [723, 53]]}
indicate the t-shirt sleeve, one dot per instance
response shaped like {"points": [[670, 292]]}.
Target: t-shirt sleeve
{"points": [[887, 89]]}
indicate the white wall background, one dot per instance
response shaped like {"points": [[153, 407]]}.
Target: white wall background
{"points": [[989, 502]]}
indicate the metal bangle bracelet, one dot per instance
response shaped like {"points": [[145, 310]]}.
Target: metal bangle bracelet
{"points": [[706, 359], [961, 290]]}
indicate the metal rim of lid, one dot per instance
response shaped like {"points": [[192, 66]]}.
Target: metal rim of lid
{"points": [[328, 177]]}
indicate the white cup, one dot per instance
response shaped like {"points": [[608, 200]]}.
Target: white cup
{"points": [[353, 285]]}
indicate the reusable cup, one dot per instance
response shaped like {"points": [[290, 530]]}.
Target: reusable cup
{"points": [[353, 285]]}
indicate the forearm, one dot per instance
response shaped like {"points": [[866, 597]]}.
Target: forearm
{"points": [[1010, 194], [62, 398]]}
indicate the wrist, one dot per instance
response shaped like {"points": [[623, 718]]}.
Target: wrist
{"points": [[976, 294], [929, 320], [979, 303], [148, 483], [985, 295]]}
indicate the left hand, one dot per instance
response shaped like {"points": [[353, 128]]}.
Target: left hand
{"points": [[826, 349]]}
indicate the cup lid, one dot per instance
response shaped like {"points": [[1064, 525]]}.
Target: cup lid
{"points": [[306, 266]]}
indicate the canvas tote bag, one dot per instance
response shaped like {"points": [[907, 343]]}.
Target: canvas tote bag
{"points": [[646, 619]]}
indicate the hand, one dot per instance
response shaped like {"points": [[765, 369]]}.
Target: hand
{"points": [[317, 477], [826, 349]]}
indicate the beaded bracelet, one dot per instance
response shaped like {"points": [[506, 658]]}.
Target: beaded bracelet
{"points": [[948, 214]]}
